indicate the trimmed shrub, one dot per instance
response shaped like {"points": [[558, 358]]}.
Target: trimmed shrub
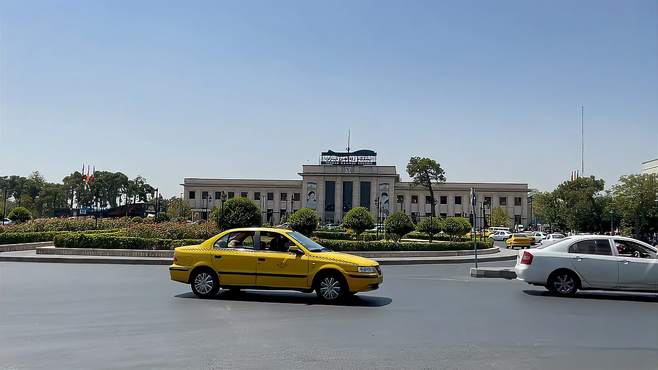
{"points": [[79, 240], [430, 226], [41, 236], [397, 225], [184, 242], [304, 220], [162, 217], [137, 219], [358, 220], [20, 215], [456, 226], [335, 235], [238, 212], [438, 237], [385, 245]]}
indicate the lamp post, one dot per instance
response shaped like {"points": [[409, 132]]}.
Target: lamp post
{"points": [[612, 227], [378, 216]]}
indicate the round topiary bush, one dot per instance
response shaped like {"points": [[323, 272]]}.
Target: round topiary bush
{"points": [[398, 224], [238, 212], [430, 226], [137, 219], [358, 220], [20, 214], [457, 226], [304, 220]]}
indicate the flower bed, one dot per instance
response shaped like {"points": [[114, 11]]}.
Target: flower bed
{"points": [[171, 230], [64, 224]]}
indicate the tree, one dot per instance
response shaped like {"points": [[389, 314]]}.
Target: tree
{"points": [[358, 220], [635, 201], [456, 226], [499, 217], [548, 210], [238, 212], [398, 224], [577, 202], [20, 214], [430, 226], [304, 220], [424, 172], [178, 208]]}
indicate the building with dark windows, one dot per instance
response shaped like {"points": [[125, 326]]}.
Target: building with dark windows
{"points": [[342, 181]]}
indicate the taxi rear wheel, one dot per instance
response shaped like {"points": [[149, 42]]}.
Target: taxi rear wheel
{"points": [[331, 288], [205, 283]]}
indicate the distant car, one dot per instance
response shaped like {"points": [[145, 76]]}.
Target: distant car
{"points": [[7, 221], [551, 239], [500, 235], [538, 236], [519, 240], [590, 262]]}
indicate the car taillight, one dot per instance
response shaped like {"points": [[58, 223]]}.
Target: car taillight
{"points": [[526, 259], [174, 259]]}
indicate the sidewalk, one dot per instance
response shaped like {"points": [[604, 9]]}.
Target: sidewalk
{"points": [[32, 256]]}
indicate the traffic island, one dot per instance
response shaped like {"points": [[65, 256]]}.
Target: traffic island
{"points": [[493, 272]]}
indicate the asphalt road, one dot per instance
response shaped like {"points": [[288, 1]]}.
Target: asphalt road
{"points": [[67, 316]]}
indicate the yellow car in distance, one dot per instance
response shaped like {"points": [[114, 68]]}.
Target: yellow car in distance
{"points": [[519, 240], [272, 258]]}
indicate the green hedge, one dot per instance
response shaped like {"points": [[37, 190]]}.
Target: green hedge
{"points": [[439, 237], [385, 245], [42, 236], [109, 241]]}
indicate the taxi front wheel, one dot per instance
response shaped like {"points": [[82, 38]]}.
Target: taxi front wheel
{"points": [[331, 288]]}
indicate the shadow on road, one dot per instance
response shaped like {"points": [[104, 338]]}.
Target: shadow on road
{"points": [[610, 296], [292, 297]]}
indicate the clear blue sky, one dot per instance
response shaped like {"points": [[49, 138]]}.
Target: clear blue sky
{"points": [[247, 89]]}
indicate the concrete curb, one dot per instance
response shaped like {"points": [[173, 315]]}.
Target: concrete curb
{"points": [[23, 246], [493, 272]]}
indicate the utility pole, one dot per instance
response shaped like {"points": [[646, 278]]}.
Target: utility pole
{"points": [[582, 140]]}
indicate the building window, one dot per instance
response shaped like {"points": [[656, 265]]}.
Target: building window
{"points": [[443, 215], [502, 201], [517, 201], [458, 199], [204, 195], [457, 214], [191, 195], [414, 217], [270, 213], [284, 197], [414, 199], [400, 199], [244, 194], [487, 201], [365, 194], [231, 195], [517, 220], [428, 214], [296, 197], [347, 195], [282, 215], [443, 199], [428, 199], [218, 195], [257, 195], [270, 196], [330, 198]]}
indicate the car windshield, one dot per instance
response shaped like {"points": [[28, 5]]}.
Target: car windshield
{"points": [[307, 242]]}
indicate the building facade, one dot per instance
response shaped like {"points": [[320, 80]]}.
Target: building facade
{"points": [[650, 167], [342, 181]]}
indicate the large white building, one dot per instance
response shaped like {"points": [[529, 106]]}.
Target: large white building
{"points": [[342, 181], [650, 167]]}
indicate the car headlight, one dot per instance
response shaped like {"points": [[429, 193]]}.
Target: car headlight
{"points": [[369, 269]]}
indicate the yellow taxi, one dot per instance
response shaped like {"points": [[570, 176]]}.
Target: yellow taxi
{"points": [[272, 258], [519, 240]]}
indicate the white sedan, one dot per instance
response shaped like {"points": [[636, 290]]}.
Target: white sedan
{"points": [[501, 235], [590, 262]]}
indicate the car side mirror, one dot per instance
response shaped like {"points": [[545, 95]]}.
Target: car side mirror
{"points": [[295, 250]]}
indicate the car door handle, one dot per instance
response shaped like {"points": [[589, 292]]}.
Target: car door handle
{"points": [[626, 262], [218, 256], [579, 258], [261, 259]]}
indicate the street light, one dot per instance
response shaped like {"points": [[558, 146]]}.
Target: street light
{"points": [[378, 216]]}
